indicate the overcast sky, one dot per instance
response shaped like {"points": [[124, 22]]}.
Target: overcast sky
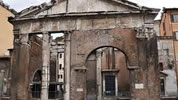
{"points": [[19, 5]]}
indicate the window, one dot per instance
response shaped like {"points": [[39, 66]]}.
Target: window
{"points": [[161, 66], [60, 66], [36, 85], [60, 55], [162, 86], [110, 85], [175, 18], [59, 76], [36, 90], [53, 92], [176, 35]]}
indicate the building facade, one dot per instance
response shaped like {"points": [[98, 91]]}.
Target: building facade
{"points": [[94, 30], [61, 63], [168, 50], [6, 36], [6, 43]]}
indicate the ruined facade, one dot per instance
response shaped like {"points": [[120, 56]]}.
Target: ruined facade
{"points": [[89, 27], [33, 77]]}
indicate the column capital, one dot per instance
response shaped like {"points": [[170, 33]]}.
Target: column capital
{"points": [[24, 38], [16, 31], [67, 36], [145, 31]]}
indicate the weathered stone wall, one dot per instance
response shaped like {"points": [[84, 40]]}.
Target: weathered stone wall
{"points": [[35, 56], [147, 73], [84, 42], [35, 60], [27, 60], [166, 53], [95, 5], [123, 74], [85, 32], [83, 22], [141, 53]]}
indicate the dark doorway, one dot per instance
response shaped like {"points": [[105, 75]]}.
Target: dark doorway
{"points": [[107, 74]]}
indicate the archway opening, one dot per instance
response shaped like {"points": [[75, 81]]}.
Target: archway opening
{"points": [[107, 74], [36, 85]]}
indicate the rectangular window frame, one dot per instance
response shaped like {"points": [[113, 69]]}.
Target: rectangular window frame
{"points": [[162, 93], [176, 35], [60, 55], [174, 18], [116, 83]]}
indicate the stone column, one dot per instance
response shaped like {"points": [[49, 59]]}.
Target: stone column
{"points": [[45, 66], [20, 73], [67, 63], [99, 75], [13, 90], [147, 84]]}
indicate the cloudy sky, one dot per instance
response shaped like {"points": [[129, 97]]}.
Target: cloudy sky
{"points": [[18, 5]]}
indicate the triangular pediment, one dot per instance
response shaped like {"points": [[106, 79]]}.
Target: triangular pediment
{"points": [[71, 6], [99, 5]]}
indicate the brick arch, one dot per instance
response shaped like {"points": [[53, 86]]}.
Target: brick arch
{"points": [[120, 69], [127, 58], [84, 42], [34, 72]]}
